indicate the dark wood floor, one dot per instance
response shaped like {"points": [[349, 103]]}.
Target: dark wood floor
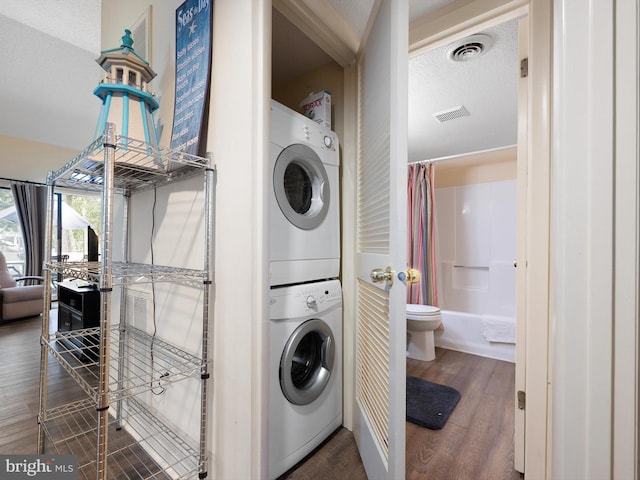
{"points": [[20, 385], [475, 444], [19, 403]]}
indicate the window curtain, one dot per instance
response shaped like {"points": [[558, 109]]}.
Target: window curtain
{"points": [[30, 201], [421, 236]]}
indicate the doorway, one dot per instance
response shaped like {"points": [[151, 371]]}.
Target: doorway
{"points": [[467, 105], [457, 22]]}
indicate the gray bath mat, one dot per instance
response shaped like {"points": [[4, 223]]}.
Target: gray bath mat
{"points": [[429, 404]]}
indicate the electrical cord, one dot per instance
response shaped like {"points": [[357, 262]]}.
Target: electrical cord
{"points": [[159, 389]]}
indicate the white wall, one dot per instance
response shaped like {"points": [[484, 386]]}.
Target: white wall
{"points": [[171, 219], [239, 135], [237, 139]]}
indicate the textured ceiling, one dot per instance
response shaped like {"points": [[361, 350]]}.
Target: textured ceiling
{"points": [[32, 103], [46, 87], [72, 21], [485, 86]]}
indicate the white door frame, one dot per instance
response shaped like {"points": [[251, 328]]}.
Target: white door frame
{"points": [[533, 348], [627, 241], [596, 240]]}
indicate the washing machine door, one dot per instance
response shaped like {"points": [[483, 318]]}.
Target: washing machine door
{"points": [[307, 362], [301, 186]]}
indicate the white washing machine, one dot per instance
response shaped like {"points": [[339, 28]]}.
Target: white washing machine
{"points": [[304, 200], [305, 370]]}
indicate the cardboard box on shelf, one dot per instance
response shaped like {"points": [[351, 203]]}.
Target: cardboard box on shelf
{"points": [[317, 106]]}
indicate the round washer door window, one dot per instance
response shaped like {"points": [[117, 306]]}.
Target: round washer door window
{"points": [[306, 362], [301, 186]]}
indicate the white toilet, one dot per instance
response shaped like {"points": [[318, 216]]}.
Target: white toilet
{"points": [[422, 320]]}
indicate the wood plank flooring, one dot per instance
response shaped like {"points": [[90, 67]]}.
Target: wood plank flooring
{"points": [[19, 404], [475, 444], [20, 385]]}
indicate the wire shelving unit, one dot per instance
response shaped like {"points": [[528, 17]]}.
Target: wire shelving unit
{"points": [[113, 432]]}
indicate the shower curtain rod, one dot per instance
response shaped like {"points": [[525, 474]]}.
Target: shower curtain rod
{"points": [[460, 155]]}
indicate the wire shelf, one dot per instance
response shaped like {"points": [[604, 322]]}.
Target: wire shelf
{"points": [[127, 273], [148, 363], [135, 361], [138, 166], [138, 450]]}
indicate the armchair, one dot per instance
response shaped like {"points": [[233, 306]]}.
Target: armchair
{"points": [[18, 301]]}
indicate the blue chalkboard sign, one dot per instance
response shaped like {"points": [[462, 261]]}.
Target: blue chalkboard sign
{"points": [[193, 61]]}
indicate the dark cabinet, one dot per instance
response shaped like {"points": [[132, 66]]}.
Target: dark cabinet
{"points": [[79, 309]]}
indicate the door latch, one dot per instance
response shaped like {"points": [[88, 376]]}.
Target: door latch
{"points": [[410, 276]]}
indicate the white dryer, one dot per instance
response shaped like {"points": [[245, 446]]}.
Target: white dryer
{"points": [[304, 199], [305, 370]]}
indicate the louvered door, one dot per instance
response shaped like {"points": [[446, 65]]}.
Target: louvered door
{"points": [[381, 243]]}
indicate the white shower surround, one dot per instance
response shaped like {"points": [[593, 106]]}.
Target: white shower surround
{"points": [[476, 228]]}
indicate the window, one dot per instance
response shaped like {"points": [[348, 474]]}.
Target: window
{"points": [[11, 242], [78, 212]]}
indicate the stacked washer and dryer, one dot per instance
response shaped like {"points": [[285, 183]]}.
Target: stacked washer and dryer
{"points": [[305, 363]]}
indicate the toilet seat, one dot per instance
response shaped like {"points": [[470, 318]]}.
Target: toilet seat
{"points": [[421, 312]]}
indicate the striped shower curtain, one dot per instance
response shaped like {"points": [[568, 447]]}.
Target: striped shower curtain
{"points": [[421, 238]]}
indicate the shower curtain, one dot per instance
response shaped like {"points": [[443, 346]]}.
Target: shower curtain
{"points": [[421, 237]]}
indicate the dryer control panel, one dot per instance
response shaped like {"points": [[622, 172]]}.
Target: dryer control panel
{"points": [[289, 127], [296, 301]]}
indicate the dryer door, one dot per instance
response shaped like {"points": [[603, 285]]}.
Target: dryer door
{"points": [[307, 362], [301, 186]]}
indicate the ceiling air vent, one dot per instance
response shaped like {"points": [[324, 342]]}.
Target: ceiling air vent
{"points": [[469, 48], [451, 114]]}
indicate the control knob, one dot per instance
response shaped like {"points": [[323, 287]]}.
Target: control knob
{"points": [[311, 302]]}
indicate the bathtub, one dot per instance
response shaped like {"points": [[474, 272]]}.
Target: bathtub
{"points": [[463, 332]]}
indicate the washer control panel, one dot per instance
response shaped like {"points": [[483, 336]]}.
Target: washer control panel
{"points": [[306, 299]]}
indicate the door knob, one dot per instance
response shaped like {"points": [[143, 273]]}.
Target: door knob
{"points": [[378, 275], [411, 276]]}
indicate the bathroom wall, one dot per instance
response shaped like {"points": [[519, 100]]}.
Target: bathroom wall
{"points": [[477, 244], [488, 166]]}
